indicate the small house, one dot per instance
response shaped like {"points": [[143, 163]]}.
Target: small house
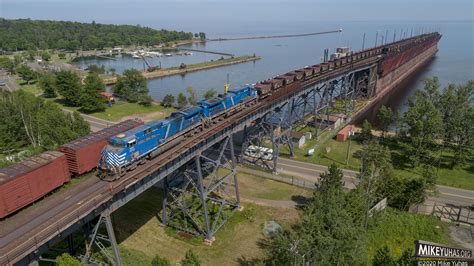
{"points": [[298, 139]]}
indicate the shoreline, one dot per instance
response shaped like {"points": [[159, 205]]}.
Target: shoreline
{"points": [[190, 68]]}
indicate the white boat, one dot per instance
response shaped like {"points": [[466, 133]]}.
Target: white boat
{"points": [[188, 53], [168, 54], [155, 54]]}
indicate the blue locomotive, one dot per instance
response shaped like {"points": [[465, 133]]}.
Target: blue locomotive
{"points": [[130, 148]]}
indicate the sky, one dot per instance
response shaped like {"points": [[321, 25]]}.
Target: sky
{"points": [[191, 14]]}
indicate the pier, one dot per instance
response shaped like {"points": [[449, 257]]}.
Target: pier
{"points": [[276, 36], [205, 51]]}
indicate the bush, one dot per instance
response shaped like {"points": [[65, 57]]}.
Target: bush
{"points": [[67, 260], [159, 261], [190, 259]]}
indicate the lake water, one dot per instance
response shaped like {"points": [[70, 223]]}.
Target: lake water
{"points": [[454, 62]]}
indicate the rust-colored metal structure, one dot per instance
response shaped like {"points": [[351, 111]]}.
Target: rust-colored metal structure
{"points": [[84, 153], [25, 182]]}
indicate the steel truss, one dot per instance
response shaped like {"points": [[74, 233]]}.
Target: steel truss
{"points": [[100, 241], [201, 196], [313, 106]]}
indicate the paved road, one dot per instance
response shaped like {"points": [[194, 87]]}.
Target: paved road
{"points": [[310, 172], [95, 123], [10, 83]]}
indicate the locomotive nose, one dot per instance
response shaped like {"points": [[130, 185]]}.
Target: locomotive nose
{"points": [[110, 163]]}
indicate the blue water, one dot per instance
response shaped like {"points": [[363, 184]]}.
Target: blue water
{"points": [[454, 62]]}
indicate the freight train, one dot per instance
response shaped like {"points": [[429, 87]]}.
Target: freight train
{"points": [[25, 182], [123, 146]]}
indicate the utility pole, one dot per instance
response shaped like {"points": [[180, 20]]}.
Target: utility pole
{"points": [[349, 144], [363, 42], [376, 38]]}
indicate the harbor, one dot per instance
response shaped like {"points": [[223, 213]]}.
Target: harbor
{"points": [[171, 71]]}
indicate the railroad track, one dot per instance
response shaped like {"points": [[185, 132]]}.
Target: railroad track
{"points": [[40, 231]]}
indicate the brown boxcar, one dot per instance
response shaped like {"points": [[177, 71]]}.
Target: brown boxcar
{"points": [[27, 181], [317, 69], [83, 154]]}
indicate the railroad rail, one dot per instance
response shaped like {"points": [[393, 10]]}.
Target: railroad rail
{"points": [[30, 239]]}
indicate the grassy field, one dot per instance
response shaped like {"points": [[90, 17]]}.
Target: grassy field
{"points": [[121, 110], [140, 234], [258, 187], [118, 111], [398, 230], [335, 152], [328, 153], [138, 229]]}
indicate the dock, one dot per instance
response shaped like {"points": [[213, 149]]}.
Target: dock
{"points": [[190, 68], [204, 51]]}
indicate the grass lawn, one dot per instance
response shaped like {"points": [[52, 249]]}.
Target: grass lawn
{"points": [[139, 232], [117, 112], [121, 109], [262, 188], [328, 153], [335, 152], [31, 88], [398, 230]]}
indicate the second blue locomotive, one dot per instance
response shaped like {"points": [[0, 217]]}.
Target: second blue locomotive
{"points": [[125, 150]]}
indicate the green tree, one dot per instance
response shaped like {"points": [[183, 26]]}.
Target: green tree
{"points": [[160, 261], [192, 99], [93, 68], [7, 64], [210, 93], [366, 133], [328, 232], [91, 100], [424, 123], [27, 120], [383, 257], [190, 259], [457, 112], [67, 260], [112, 71], [385, 116], [45, 56], [78, 125], [26, 73], [376, 169], [17, 59], [408, 258], [69, 86], [30, 54], [47, 83], [168, 100], [131, 86], [202, 35], [182, 101]]}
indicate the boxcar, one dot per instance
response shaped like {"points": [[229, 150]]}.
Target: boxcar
{"points": [[317, 69], [84, 153], [29, 180]]}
